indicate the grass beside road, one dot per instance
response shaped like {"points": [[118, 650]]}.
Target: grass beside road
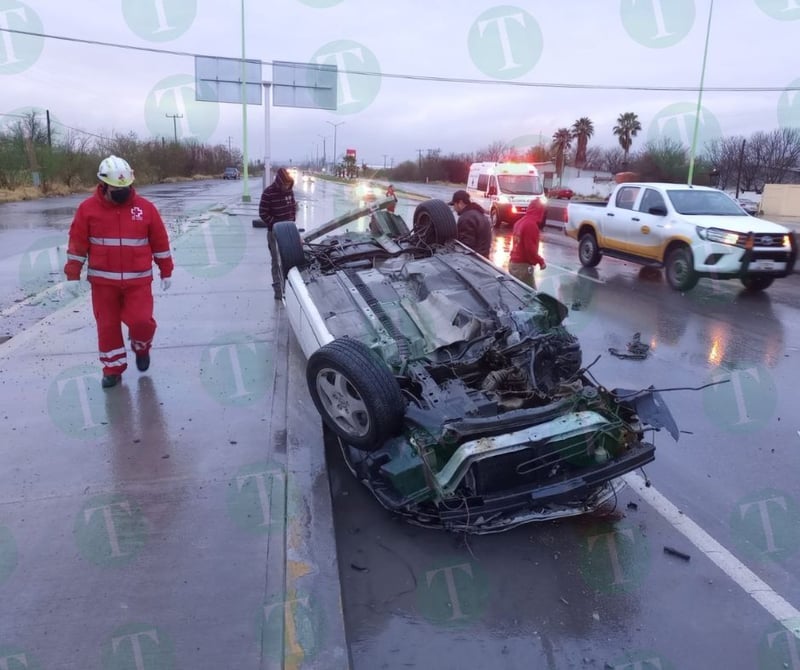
{"points": [[28, 192]]}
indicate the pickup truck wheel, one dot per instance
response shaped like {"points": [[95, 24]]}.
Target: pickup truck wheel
{"points": [[355, 393], [757, 282], [494, 215], [434, 223], [679, 268], [588, 253]]}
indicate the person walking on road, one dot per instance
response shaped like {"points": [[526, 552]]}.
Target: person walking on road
{"points": [[390, 194], [525, 245], [474, 227], [277, 204], [120, 233]]}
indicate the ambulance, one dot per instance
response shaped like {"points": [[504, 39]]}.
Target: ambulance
{"points": [[505, 189]]}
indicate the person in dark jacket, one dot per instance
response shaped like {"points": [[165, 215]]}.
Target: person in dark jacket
{"points": [[474, 227], [277, 204]]}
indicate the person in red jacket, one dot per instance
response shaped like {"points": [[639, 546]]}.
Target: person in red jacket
{"points": [[390, 194], [525, 246], [120, 233]]}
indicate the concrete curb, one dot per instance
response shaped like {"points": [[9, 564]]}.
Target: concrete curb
{"points": [[311, 564]]}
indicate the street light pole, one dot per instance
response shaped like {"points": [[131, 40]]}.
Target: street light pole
{"points": [[335, 126], [700, 96], [245, 158], [324, 149]]}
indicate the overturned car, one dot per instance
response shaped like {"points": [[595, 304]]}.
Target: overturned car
{"points": [[457, 395]]}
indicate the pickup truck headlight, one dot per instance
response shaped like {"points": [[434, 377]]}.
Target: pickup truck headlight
{"points": [[718, 235]]}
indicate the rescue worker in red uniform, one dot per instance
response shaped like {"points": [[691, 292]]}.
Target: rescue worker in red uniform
{"points": [[525, 246], [390, 194], [121, 234]]}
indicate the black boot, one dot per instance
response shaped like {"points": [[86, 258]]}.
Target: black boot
{"points": [[111, 380], [142, 361]]}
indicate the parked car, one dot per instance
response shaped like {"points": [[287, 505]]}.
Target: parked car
{"points": [[456, 393], [690, 231], [230, 173], [561, 193], [749, 206]]}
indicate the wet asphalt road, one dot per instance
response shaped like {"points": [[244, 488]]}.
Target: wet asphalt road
{"points": [[590, 592]]}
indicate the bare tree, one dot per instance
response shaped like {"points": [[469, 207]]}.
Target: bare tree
{"points": [[494, 152]]}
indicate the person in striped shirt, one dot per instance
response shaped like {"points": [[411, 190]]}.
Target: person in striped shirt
{"points": [[277, 204]]}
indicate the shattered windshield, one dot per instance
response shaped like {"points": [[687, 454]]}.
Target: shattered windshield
{"points": [[709, 203], [520, 184]]}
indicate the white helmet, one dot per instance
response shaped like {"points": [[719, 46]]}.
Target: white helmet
{"points": [[115, 171]]}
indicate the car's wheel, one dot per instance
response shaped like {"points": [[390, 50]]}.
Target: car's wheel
{"points": [[757, 282], [588, 251], [434, 222], [290, 246], [494, 215], [355, 393], [679, 268]]}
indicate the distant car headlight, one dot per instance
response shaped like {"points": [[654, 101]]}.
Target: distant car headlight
{"points": [[718, 235]]}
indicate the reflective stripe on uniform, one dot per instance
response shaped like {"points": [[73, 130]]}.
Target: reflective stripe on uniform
{"points": [[120, 241], [162, 254], [73, 257], [114, 356], [140, 345], [119, 275]]}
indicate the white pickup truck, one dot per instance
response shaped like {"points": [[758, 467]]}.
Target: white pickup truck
{"points": [[690, 231]]}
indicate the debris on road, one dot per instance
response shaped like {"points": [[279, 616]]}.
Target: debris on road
{"points": [[637, 349], [675, 552]]}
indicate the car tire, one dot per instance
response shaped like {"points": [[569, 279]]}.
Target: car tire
{"points": [[494, 216], [355, 393], [434, 222], [588, 251], [679, 268], [290, 246], [757, 282]]}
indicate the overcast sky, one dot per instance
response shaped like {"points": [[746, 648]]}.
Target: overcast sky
{"points": [[417, 48]]}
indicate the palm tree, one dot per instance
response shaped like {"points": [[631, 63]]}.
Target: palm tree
{"points": [[626, 129], [582, 130], [562, 141]]}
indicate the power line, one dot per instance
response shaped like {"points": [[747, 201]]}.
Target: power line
{"points": [[439, 79]]}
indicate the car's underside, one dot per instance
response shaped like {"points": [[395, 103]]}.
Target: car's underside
{"points": [[500, 424]]}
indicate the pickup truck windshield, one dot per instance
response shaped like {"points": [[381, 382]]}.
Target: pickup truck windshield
{"points": [[520, 184], [714, 203]]}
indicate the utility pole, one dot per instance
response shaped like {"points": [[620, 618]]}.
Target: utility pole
{"points": [[419, 161], [174, 123], [324, 149], [335, 126], [384, 160], [739, 168]]}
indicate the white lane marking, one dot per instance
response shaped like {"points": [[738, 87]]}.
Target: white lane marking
{"points": [[573, 271], [751, 583], [55, 292]]}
